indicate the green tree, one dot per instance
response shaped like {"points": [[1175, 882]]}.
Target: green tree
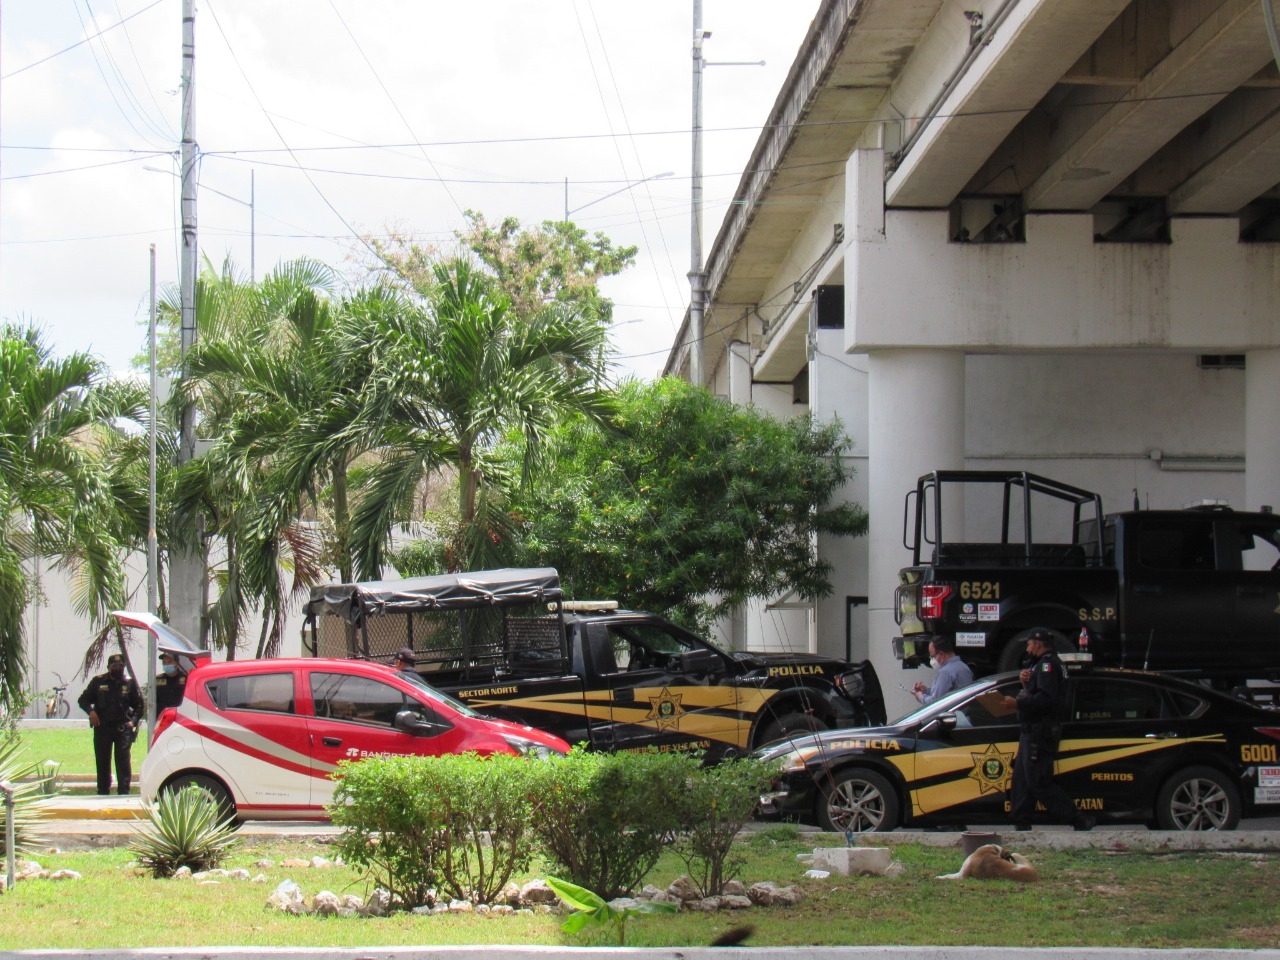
{"points": [[450, 381], [689, 505], [266, 365], [59, 497]]}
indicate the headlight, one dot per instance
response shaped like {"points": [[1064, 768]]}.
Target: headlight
{"points": [[796, 760], [528, 748]]}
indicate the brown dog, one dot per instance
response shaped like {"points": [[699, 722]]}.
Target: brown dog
{"points": [[994, 862]]}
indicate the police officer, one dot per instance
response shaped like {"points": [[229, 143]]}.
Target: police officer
{"points": [[406, 661], [171, 682], [114, 705], [1040, 705]]}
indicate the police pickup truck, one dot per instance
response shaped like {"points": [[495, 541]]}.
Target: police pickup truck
{"points": [[506, 643], [1193, 591]]}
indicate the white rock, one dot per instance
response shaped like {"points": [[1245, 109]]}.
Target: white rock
{"points": [[461, 906], [817, 874], [734, 888], [623, 903], [182, 873], [684, 888], [260, 878], [264, 864], [320, 863], [733, 901], [240, 874], [895, 869], [851, 861], [64, 875], [706, 904], [502, 910], [537, 891], [326, 903]]}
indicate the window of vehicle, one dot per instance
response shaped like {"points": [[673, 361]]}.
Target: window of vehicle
{"points": [[640, 646], [272, 692], [1259, 546], [1110, 699], [991, 708], [1176, 544], [340, 696]]}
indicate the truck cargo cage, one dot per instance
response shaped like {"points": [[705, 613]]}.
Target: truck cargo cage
{"points": [[1020, 494], [465, 623]]}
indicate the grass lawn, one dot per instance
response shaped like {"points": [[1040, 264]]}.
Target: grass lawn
{"points": [[73, 749], [1086, 898]]}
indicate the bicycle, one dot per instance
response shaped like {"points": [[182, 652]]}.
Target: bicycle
{"points": [[58, 706]]}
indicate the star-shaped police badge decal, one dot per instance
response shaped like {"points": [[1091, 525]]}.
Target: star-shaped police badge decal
{"points": [[665, 709], [992, 769]]}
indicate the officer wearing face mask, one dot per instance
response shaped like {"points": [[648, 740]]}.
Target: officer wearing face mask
{"points": [[171, 682], [114, 705]]}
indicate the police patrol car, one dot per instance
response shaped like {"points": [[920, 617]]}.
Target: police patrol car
{"points": [[1135, 747]]}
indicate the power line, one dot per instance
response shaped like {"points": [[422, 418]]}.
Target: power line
{"points": [[125, 89], [79, 43]]}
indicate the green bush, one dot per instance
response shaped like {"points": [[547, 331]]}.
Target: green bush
{"points": [[184, 828], [717, 803], [605, 818], [392, 825]]}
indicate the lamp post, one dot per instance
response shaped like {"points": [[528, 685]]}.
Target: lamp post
{"points": [[629, 186]]}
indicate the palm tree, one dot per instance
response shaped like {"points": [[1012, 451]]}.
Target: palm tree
{"points": [[257, 367], [59, 497], [451, 381]]}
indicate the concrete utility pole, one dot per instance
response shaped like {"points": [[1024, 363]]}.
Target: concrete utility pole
{"points": [[186, 547], [697, 279]]}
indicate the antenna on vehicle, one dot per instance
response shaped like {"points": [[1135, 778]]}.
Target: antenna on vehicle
{"points": [[1146, 661]]}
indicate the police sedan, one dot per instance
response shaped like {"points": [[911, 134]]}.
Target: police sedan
{"points": [[1136, 747]]}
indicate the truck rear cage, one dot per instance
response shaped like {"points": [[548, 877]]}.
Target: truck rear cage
{"points": [[1017, 489]]}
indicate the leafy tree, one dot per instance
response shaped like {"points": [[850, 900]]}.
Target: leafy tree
{"points": [[688, 504], [451, 380], [58, 496]]}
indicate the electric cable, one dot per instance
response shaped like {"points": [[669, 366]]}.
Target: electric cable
{"points": [[79, 43]]}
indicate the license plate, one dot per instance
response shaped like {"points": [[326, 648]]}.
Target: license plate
{"points": [[1266, 795]]}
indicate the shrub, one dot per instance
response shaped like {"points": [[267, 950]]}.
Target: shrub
{"points": [[717, 804], [28, 796], [392, 825], [605, 818], [184, 828]]}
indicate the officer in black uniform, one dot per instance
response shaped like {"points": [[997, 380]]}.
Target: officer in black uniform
{"points": [[114, 705], [1040, 704], [407, 661], [171, 682]]}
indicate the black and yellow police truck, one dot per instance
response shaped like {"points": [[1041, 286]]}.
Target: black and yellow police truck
{"points": [[506, 643]]}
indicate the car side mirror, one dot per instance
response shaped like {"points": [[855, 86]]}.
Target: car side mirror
{"points": [[698, 661], [944, 723], [413, 722]]}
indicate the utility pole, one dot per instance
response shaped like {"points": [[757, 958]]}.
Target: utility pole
{"points": [[697, 279], [186, 546], [153, 556]]}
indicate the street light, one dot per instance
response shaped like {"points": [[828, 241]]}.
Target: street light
{"points": [[567, 211]]}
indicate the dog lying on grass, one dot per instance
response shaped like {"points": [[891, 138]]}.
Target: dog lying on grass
{"points": [[994, 862]]}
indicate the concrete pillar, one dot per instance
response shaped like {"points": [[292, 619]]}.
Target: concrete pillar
{"points": [[1261, 429], [916, 424], [740, 373]]}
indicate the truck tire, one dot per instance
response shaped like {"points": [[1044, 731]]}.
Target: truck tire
{"points": [[1198, 798], [1016, 648], [858, 800], [790, 725], [210, 785]]}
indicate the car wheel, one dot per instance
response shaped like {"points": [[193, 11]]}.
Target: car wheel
{"points": [[214, 788], [791, 725], [1198, 798], [858, 801]]}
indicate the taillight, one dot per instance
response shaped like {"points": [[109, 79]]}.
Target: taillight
{"points": [[931, 597], [1272, 732], [164, 721]]}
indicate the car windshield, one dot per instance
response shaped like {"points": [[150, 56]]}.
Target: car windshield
{"points": [[440, 697]]}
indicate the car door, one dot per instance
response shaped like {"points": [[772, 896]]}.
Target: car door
{"points": [[1176, 599], [1119, 738], [1252, 554], [654, 701], [963, 771], [354, 717], [255, 737]]}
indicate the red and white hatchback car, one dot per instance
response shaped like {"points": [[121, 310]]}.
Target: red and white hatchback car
{"points": [[265, 736]]}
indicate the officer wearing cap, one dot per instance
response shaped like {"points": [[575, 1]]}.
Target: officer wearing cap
{"points": [[114, 705], [171, 682], [406, 662], [1040, 705]]}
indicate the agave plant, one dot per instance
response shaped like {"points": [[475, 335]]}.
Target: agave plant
{"points": [[31, 780], [184, 828]]}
